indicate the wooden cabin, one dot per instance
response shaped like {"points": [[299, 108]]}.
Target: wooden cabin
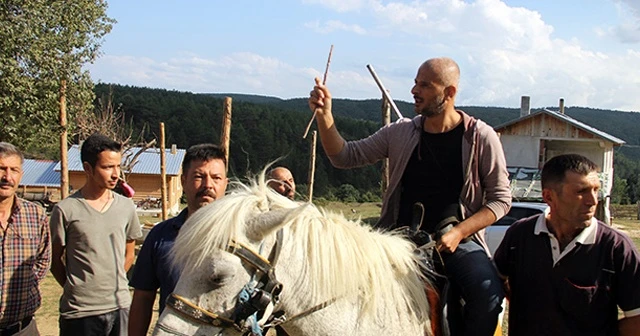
{"points": [[532, 139]]}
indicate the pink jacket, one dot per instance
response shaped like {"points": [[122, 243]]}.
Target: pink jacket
{"points": [[486, 181]]}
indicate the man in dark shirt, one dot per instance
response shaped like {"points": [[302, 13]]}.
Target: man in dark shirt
{"points": [[204, 180], [567, 272]]}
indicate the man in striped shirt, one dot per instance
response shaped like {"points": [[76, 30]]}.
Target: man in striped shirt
{"points": [[26, 249]]}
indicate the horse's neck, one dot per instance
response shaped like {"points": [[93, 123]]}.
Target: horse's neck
{"points": [[329, 316], [342, 318]]}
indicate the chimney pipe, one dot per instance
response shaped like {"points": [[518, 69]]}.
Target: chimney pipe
{"points": [[525, 106], [561, 106], [174, 149]]}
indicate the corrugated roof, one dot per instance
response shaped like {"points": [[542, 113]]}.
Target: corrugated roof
{"points": [[147, 163], [568, 119], [40, 173]]}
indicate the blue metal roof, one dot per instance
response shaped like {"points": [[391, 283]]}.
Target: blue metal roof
{"points": [[40, 173], [147, 163], [568, 119]]}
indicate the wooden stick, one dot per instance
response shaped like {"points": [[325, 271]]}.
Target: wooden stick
{"points": [[324, 81], [225, 136], [386, 120], [385, 93], [64, 161], [312, 164], [163, 175]]}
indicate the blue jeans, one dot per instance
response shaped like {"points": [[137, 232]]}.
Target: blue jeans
{"points": [[473, 278]]}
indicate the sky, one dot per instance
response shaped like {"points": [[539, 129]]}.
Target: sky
{"points": [[585, 51]]}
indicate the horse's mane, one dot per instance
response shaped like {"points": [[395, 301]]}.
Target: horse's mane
{"points": [[344, 259]]}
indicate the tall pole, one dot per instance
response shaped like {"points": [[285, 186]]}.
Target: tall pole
{"points": [[226, 128], [386, 120], [163, 173], [64, 164], [312, 164]]}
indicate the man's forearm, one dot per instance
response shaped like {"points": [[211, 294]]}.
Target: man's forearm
{"points": [[58, 268], [43, 262], [41, 267], [478, 221], [331, 140], [129, 254], [629, 326], [140, 312], [59, 272]]}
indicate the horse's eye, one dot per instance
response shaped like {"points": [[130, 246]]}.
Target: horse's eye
{"points": [[218, 280]]}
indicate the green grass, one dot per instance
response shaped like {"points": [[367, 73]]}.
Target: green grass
{"points": [[626, 218], [367, 212]]}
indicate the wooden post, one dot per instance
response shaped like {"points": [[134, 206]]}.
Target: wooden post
{"points": [[386, 120], [226, 128], [312, 164], [163, 173], [64, 164]]}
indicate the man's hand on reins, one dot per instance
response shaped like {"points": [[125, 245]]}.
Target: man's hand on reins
{"points": [[449, 241]]}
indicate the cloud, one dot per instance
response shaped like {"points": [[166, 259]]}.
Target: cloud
{"points": [[233, 73], [506, 52], [628, 30], [333, 25], [339, 5]]}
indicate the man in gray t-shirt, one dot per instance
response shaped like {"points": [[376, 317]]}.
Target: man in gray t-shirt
{"points": [[93, 236]]}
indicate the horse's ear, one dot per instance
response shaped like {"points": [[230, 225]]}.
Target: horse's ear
{"points": [[268, 222]]}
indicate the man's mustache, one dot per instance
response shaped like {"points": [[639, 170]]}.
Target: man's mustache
{"points": [[206, 192], [6, 184]]}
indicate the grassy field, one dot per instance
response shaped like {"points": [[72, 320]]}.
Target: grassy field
{"points": [[47, 316]]}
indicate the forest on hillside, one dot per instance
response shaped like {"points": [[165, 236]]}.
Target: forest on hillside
{"points": [[265, 129], [260, 134]]}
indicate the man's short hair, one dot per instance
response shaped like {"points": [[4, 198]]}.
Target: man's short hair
{"points": [[7, 149], [202, 152], [554, 170], [95, 144]]}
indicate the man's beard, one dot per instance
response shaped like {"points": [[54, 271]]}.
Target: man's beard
{"points": [[435, 108]]}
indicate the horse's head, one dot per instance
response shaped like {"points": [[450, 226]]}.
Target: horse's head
{"points": [[227, 251], [339, 277]]}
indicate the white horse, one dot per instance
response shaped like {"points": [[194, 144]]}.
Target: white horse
{"points": [[338, 277]]}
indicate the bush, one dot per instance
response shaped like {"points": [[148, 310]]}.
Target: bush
{"points": [[347, 193]]}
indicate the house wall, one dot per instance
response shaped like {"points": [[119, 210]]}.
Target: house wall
{"points": [[589, 149], [54, 191], [146, 186], [520, 151]]}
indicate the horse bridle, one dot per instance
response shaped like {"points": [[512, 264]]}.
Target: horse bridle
{"points": [[258, 294]]}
